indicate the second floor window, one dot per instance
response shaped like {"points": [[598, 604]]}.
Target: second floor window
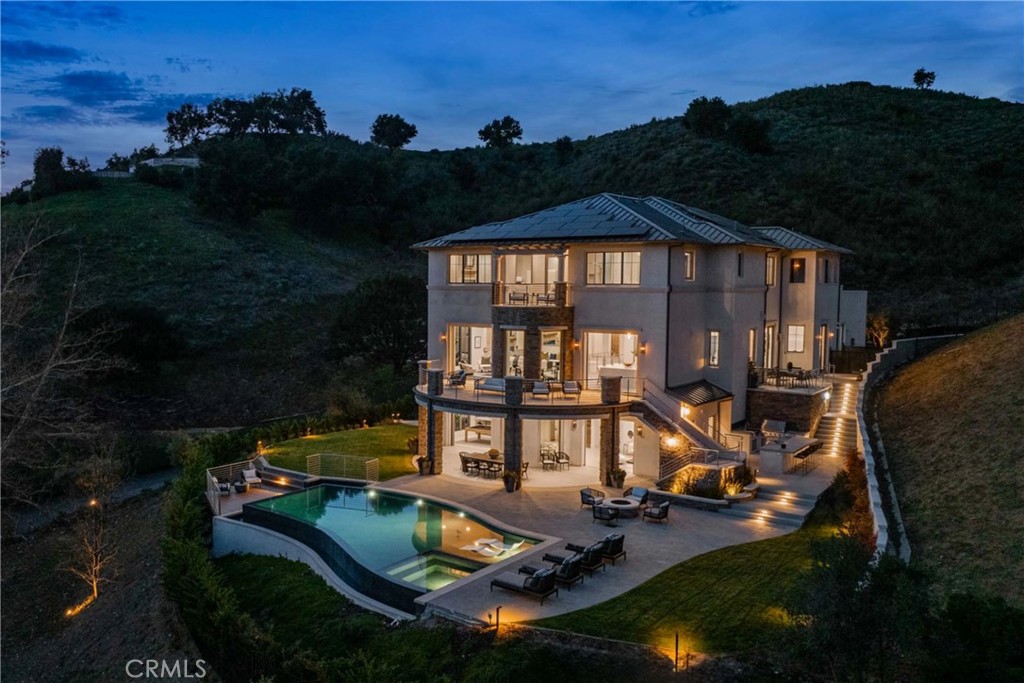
{"points": [[469, 268], [689, 265], [769, 270], [714, 345], [739, 264], [613, 268], [797, 270]]}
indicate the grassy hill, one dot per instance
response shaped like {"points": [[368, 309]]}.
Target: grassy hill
{"points": [[253, 307], [925, 186], [952, 424]]}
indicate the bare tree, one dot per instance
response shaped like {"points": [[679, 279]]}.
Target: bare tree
{"points": [[92, 551], [45, 357], [878, 329]]}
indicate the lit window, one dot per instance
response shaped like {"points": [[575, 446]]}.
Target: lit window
{"points": [[469, 268], [797, 270], [714, 339], [613, 268], [752, 345], [689, 265], [769, 270], [795, 339]]}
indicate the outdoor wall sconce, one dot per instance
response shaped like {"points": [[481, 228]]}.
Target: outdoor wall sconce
{"points": [[575, 344], [640, 431], [643, 349], [444, 337]]}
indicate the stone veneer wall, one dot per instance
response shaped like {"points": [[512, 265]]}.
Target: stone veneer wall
{"points": [[422, 433], [532, 318], [802, 411]]}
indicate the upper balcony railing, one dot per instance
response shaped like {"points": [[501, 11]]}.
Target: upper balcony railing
{"points": [[520, 294], [791, 378]]}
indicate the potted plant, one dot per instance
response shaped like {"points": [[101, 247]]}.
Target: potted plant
{"points": [[511, 479], [618, 477], [423, 463]]}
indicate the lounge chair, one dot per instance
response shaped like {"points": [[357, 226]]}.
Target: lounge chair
{"points": [[591, 558], [611, 547], [570, 388], [605, 514], [223, 487], [566, 574], [637, 493], [540, 390], [250, 477], [657, 512], [457, 378], [562, 459], [506, 547], [589, 496], [539, 585]]}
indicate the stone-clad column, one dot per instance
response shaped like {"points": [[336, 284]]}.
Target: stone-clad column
{"points": [[431, 437], [435, 381], [514, 425], [609, 451], [611, 390]]}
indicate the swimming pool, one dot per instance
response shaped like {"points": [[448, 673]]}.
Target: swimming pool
{"points": [[389, 546]]}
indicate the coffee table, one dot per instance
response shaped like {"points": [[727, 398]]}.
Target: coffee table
{"points": [[625, 506]]}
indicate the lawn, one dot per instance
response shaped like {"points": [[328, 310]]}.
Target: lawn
{"points": [[387, 443], [728, 600]]}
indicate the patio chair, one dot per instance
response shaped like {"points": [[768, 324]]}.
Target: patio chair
{"points": [[611, 547], [589, 496], [570, 388], [605, 514], [250, 477], [494, 469], [540, 584], [457, 378], [657, 512], [562, 459], [637, 493], [515, 297], [526, 467], [566, 574], [223, 487], [540, 390], [591, 558], [506, 547]]}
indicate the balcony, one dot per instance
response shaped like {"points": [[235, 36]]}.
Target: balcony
{"points": [[520, 294], [486, 391]]}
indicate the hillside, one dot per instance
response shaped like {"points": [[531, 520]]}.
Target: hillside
{"points": [[252, 308], [952, 424]]}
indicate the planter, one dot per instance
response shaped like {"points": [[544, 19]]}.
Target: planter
{"points": [[510, 485], [618, 482], [424, 465]]}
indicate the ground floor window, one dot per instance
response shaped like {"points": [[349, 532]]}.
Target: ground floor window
{"points": [[795, 339]]}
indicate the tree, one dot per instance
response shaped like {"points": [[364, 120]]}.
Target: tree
{"points": [[923, 80], [4, 153], [501, 133], [707, 118], [878, 329], [392, 131], [564, 149], [116, 162], [45, 359], [751, 134], [295, 111], [187, 126], [53, 174], [237, 179], [385, 319]]}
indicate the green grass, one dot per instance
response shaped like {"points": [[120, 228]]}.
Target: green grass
{"points": [[386, 443], [728, 600]]}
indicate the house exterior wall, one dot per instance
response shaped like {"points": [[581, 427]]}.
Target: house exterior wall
{"points": [[853, 316]]}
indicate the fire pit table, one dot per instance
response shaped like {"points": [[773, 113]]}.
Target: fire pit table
{"points": [[625, 506]]}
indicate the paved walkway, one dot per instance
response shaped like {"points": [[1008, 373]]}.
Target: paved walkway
{"points": [[652, 548]]}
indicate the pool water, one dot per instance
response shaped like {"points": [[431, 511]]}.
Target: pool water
{"points": [[408, 539]]}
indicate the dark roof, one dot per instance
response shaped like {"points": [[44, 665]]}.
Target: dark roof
{"points": [[617, 218], [791, 239], [698, 393]]}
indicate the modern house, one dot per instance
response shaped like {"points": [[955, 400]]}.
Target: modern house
{"points": [[617, 331]]}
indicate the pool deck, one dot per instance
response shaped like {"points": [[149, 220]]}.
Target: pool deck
{"points": [[652, 547]]}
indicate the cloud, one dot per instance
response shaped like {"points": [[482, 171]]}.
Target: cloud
{"points": [[154, 108], [707, 9], [186, 65], [38, 15], [92, 88], [31, 52], [47, 115]]}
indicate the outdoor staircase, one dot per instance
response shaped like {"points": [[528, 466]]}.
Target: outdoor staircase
{"points": [[838, 428], [774, 506]]}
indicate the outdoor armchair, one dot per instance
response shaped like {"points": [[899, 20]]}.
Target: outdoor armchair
{"points": [[540, 390], [605, 514], [562, 459], [222, 486], [250, 477], [637, 493], [589, 496], [611, 547], [570, 388], [657, 512], [591, 558]]}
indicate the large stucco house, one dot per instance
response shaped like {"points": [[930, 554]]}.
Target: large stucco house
{"points": [[652, 326]]}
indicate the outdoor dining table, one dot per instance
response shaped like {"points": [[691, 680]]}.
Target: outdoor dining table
{"points": [[485, 462]]}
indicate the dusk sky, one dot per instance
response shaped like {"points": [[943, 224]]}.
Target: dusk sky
{"points": [[97, 78]]}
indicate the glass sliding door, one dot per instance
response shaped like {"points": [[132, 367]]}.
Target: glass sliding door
{"points": [[551, 355], [515, 341], [610, 354], [470, 349]]}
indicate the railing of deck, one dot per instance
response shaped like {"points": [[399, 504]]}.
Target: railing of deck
{"points": [[227, 474], [343, 466], [794, 378]]}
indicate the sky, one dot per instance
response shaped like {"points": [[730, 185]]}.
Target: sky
{"points": [[97, 78]]}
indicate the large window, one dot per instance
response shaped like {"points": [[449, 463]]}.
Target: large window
{"points": [[469, 268], [714, 346], [769, 270], [797, 270], [611, 354], [470, 347], [795, 339], [827, 270], [752, 345], [613, 268]]}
